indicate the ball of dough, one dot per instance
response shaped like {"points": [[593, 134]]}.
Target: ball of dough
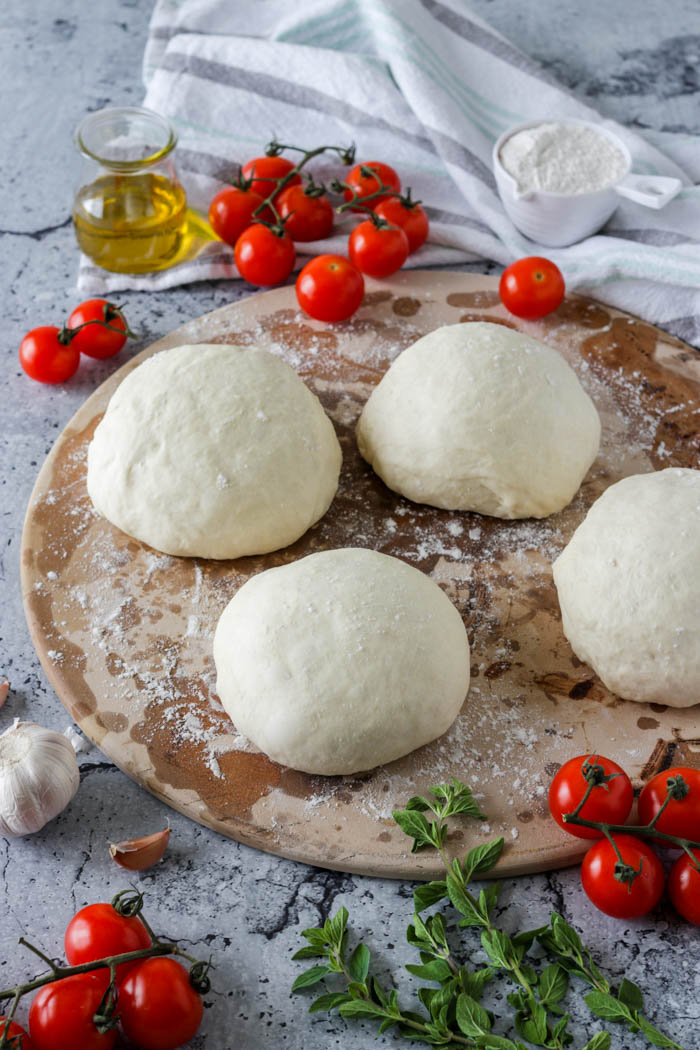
{"points": [[479, 417], [341, 661], [629, 587], [214, 451]]}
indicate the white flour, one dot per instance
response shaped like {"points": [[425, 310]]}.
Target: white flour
{"points": [[562, 158]]}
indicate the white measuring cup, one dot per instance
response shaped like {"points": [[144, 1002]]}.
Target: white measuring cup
{"points": [[558, 219]]}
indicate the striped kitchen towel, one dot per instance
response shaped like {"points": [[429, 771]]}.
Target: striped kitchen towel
{"points": [[427, 86]]}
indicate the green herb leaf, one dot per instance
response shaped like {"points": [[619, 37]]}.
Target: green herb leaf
{"points": [[315, 937], [471, 1016], [473, 983], [459, 896], [387, 1023], [527, 937], [630, 994], [654, 1036], [565, 937], [488, 898], [361, 1008], [358, 967], [552, 985], [428, 894], [435, 970], [600, 1041], [482, 858], [498, 1042], [418, 802], [328, 1002], [337, 927], [534, 1027], [309, 977], [416, 826], [499, 947], [309, 952], [607, 1008]]}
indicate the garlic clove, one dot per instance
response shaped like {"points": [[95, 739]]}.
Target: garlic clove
{"points": [[39, 776], [137, 854], [4, 690]]}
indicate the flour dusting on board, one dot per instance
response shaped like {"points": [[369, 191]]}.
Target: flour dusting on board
{"points": [[134, 627]]}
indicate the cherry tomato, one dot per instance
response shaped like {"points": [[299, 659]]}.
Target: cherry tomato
{"points": [[364, 185], [621, 899], [531, 287], [684, 887], [378, 251], [681, 817], [45, 359], [158, 1007], [231, 212], [411, 218], [61, 1015], [96, 341], [266, 168], [98, 930], [330, 288], [264, 257], [15, 1031], [310, 218], [610, 803]]}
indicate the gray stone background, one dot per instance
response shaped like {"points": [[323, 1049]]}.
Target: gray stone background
{"points": [[636, 61]]}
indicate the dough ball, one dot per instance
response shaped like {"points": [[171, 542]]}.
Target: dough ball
{"points": [[479, 417], [214, 451], [341, 661], [629, 587]]}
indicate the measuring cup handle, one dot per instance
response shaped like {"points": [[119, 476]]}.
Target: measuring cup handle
{"points": [[652, 191]]}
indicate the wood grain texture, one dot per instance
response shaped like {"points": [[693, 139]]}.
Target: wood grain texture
{"points": [[124, 633]]}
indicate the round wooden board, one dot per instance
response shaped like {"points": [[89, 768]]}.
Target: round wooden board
{"points": [[124, 633]]}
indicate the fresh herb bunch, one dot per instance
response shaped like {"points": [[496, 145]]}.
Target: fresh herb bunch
{"points": [[452, 1015]]}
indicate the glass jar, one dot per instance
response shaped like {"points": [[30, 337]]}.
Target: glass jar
{"points": [[130, 212]]}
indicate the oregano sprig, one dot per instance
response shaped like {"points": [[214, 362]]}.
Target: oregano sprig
{"points": [[452, 1014]]}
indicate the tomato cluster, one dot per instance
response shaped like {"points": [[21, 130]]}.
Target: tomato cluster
{"points": [[96, 328], [157, 1007], [621, 873], [268, 209]]}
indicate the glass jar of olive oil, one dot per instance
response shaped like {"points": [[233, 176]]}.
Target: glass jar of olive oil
{"points": [[130, 212]]}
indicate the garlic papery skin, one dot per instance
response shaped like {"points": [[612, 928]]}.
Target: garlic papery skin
{"points": [[39, 775]]}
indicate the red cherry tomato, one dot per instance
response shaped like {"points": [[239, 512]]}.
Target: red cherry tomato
{"points": [[98, 930], [610, 803], [15, 1031], [61, 1015], [158, 1007], [263, 169], [364, 185], [96, 341], [681, 817], [684, 887], [621, 899], [330, 288], [531, 287], [310, 218], [45, 359], [231, 212], [264, 257], [378, 252], [411, 218]]}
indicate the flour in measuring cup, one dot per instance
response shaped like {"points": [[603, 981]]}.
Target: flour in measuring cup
{"points": [[562, 158]]}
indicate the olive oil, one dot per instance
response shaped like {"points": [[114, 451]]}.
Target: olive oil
{"points": [[132, 223]]}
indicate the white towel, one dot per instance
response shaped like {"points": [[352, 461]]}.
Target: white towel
{"points": [[427, 87]]}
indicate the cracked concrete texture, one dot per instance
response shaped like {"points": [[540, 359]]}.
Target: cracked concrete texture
{"points": [[242, 906]]}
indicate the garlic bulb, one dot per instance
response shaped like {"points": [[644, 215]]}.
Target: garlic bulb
{"points": [[39, 776]]}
